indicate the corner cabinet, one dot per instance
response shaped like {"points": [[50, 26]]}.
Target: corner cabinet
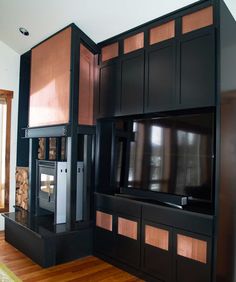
{"points": [[159, 243], [109, 100]]}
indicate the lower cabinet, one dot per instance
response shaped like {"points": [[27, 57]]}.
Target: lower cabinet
{"points": [[104, 233], [193, 257], [157, 250], [128, 241], [164, 252]]}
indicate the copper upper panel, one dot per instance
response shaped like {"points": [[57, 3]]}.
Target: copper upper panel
{"points": [[162, 32], [157, 237], [104, 220], [134, 42], [197, 20], [110, 51], [50, 81], [192, 248], [86, 86], [128, 228]]}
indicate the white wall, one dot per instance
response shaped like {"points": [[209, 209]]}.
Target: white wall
{"points": [[9, 80]]}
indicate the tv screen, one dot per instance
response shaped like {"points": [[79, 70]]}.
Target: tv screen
{"points": [[172, 155]]}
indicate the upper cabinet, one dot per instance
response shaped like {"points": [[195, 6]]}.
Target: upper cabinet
{"points": [[109, 100], [160, 61], [166, 65], [132, 75], [197, 59], [54, 73], [197, 72]]}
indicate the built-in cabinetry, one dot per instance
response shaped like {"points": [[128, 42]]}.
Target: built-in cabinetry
{"points": [[184, 60], [164, 243], [168, 65]]}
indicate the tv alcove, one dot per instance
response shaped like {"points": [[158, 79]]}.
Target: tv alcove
{"points": [[151, 114]]}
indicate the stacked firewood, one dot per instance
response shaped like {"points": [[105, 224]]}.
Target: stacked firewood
{"points": [[22, 185], [41, 149]]}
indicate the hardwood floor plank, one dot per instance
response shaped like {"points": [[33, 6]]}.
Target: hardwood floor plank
{"points": [[88, 269]]}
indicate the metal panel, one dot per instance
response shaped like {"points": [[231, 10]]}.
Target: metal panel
{"points": [[162, 32], [50, 81], [197, 20]]}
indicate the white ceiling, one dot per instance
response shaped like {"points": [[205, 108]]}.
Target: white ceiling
{"points": [[99, 19]]}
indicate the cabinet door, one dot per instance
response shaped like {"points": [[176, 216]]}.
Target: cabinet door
{"points": [[192, 257], [197, 69], [157, 250], [109, 89], [132, 83], [128, 240], [103, 233], [160, 90]]}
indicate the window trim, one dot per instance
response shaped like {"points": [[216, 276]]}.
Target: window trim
{"points": [[7, 95]]}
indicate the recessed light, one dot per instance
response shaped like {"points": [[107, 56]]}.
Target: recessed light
{"points": [[24, 31]]}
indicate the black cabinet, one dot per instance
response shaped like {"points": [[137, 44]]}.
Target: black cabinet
{"points": [[128, 240], [197, 69], [178, 73], [160, 77], [104, 234], [117, 231], [157, 250], [132, 83], [109, 98], [192, 257], [163, 243]]}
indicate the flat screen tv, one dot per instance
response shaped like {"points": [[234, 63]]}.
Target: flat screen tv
{"points": [[172, 155]]}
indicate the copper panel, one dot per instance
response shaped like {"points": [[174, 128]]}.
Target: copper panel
{"points": [[162, 32], [157, 237], [128, 228], [134, 42], [110, 51], [197, 20], [192, 248], [86, 86], [50, 81], [104, 220]]}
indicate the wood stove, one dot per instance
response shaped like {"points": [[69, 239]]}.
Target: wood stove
{"points": [[51, 189]]}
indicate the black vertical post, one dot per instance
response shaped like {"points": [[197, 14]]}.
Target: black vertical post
{"points": [[33, 152], [22, 158], [58, 149], [72, 140], [88, 156], [47, 148]]}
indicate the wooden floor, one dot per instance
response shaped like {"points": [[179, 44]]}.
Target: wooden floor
{"points": [[86, 269]]}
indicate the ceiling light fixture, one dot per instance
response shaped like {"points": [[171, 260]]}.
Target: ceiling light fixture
{"points": [[24, 31]]}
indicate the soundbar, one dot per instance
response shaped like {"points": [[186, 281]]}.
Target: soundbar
{"points": [[171, 199]]}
